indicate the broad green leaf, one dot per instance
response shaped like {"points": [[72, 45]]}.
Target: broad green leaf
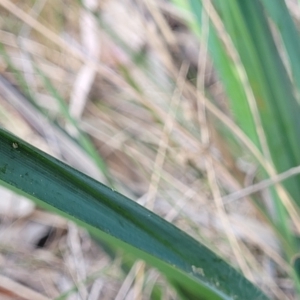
{"points": [[195, 271]]}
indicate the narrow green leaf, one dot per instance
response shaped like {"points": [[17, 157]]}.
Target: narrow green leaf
{"points": [[273, 92], [272, 88], [248, 28], [296, 264], [227, 72], [193, 269], [281, 17]]}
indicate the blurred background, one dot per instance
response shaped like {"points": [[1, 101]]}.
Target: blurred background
{"points": [[129, 92]]}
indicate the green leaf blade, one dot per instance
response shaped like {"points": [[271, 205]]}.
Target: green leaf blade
{"points": [[272, 88], [190, 266]]}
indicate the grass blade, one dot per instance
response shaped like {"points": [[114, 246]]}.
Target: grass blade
{"points": [[193, 269], [270, 84], [279, 13]]}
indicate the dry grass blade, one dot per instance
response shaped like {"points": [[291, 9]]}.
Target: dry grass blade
{"points": [[15, 289], [87, 73], [211, 174], [68, 148]]}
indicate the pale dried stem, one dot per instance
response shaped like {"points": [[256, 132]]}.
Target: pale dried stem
{"points": [[86, 75], [127, 283], [261, 185], [163, 142], [159, 162], [78, 264], [96, 289], [290, 206], [205, 138], [161, 22], [139, 280], [160, 48], [20, 291]]}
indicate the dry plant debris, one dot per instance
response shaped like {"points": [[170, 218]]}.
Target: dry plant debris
{"points": [[127, 71]]}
